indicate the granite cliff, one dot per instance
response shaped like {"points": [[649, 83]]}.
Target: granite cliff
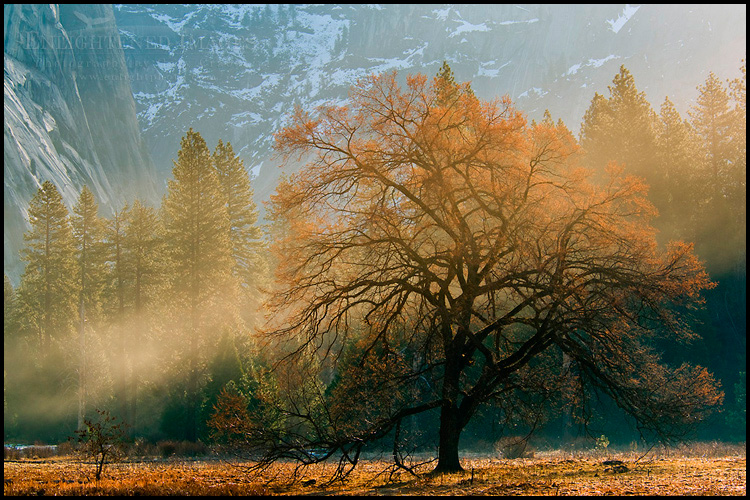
{"points": [[102, 94], [235, 71], [70, 116]]}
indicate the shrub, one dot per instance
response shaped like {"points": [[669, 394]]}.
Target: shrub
{"points": [[513, 447], [181, 448], [101, 440], [36, 451], [166, 448]]}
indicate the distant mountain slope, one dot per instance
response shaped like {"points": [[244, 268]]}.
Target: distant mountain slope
{"points": [[69, 114], [102, 95], [234, 71]]}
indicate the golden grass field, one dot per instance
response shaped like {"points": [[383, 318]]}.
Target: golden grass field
{"points": [[549, 473]]}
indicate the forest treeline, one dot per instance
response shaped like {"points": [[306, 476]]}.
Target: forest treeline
{"points": [[146, 313], [156, 313], [695, 168]]}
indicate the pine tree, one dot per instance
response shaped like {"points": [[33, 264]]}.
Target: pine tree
{"points": [[143, 248], [8, 294], [87, 233], [711, 117], [738, 88], [45, 311], [738, 131], [114, 242], [622, 129], [244, 233], [197, 225], [197, 237], [719, 116], [719, 225], [676, 155], [10, 352], [447, 90], [596, 136], [133, 241], [48, 285], [9, 349]]}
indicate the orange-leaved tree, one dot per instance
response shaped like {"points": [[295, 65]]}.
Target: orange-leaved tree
{"points": [[444, 238]]}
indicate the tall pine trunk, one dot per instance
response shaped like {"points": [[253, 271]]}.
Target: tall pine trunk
{"points": [[135, 358], [134, 374], [121, 384], [192, 382], [192, 397], [121, 363], [82, 367]]}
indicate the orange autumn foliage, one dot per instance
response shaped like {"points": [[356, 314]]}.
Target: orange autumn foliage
{"points": [[449, 227]]}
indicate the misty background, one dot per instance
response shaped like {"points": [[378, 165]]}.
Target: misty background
{"points": [[100, 95]]}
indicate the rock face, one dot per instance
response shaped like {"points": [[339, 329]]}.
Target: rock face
{"points": [[76, 76], [233, 72], [70, 116]]}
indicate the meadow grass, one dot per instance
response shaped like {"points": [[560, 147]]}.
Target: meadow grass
{"points": [[698, 469]]}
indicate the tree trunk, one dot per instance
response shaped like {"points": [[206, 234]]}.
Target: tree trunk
{"points": [[568, 410], [82, 367], [121, 387], [450, 418], [135, 359], [133, 410], [450, 431], [192, 388], [134, 376], [190, 429], [122, 377]]}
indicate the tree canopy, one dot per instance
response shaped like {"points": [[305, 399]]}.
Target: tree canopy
{"points": [[456, 243]]}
